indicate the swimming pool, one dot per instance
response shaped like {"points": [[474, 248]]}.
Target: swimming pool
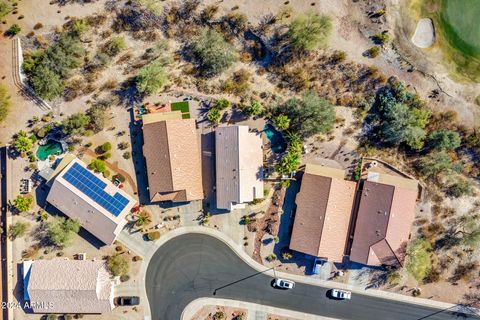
{"points": [[52, 147], [278, 144]]}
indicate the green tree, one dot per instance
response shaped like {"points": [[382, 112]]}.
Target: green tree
{"points": [[46, 83], [97, 166], [61, 230], [310, 31], [152, 78], [214, 115], [118, 265], [75, 124], [444, 140], [22, 142], [435, 163], [418, 259], [213, 54], [18, 230], [281, 122], [98, 118], [23, 204], [291, 160], [5, 102], [310, 115], [255, 108]]}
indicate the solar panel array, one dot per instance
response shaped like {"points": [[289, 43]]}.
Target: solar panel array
{"points": [[85, 181]]}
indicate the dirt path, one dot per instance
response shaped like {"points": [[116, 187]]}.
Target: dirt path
{"points": [[114, 167]]}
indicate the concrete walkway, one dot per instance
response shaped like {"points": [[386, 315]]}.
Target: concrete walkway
{"points": [[147, 249], [255, 311]]}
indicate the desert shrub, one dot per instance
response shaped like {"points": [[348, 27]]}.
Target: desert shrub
{"points": [[219, 315], [271, 257], [5, 8], [126, 155], [418, 259], [14, 30], [373, 52], [461, 188], [381, 38], [393, 278], [118, 265], [18, 230], [152, 236], [212, 53], [114, 46], [435, 163], [61, 230], [75, 124], [281, 122], [310, 31], [253, 109], [22, 143], [239, 83], [221, 104], [107, 146], [214, 115], [151, 78], [97, 166], [98, 116], [154, 6]]}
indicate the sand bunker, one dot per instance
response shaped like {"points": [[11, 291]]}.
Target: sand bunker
{"points": [[424, 35]]}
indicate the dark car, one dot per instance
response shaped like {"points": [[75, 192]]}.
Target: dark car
{"points": [[127, 301]]}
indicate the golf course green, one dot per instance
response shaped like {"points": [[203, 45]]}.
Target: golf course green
{"points": [[460, 24], [458, 21]]}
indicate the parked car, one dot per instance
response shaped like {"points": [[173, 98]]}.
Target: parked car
{"points": [[340, 294], [284, 284], [317, 265], [127, 301]]}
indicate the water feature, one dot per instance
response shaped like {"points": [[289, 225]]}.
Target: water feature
{"points": [[278, 144], [52, 147]]}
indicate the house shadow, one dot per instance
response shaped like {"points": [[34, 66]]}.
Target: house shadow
{"points": [[136, 141], [18, 291]]}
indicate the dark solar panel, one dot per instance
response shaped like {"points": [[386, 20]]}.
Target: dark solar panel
{"points": [[85, 181]]}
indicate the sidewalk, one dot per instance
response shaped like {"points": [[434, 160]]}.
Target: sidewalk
{"points": [[147, 249], [255, 311]]}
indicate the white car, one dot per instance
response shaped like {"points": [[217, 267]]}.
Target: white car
{"points": [[340, 294], [284, 284]]}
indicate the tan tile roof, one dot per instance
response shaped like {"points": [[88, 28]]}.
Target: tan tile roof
{"points": [[92, 216], [70, 286], [239, 166], [324, 208], [382, 228], [172, 153], [160, 116], [375, 176]]}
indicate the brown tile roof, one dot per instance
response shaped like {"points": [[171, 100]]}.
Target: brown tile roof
{"points": [[172, 153], [70, 286], [324, 208], [384, 219]]}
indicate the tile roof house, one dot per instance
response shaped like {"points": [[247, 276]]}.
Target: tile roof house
{"points": [[68, 286], [81, 194], [239, 166], [324, 209], [385, 214], [172, 153]]}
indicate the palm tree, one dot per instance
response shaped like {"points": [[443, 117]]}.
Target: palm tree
{"points": [[143, 219]]}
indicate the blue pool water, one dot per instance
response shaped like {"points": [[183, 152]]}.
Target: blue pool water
{"points": [[278, 143]]}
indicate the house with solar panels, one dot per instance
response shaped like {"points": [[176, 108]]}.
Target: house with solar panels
{"points": [[97, 203]]}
